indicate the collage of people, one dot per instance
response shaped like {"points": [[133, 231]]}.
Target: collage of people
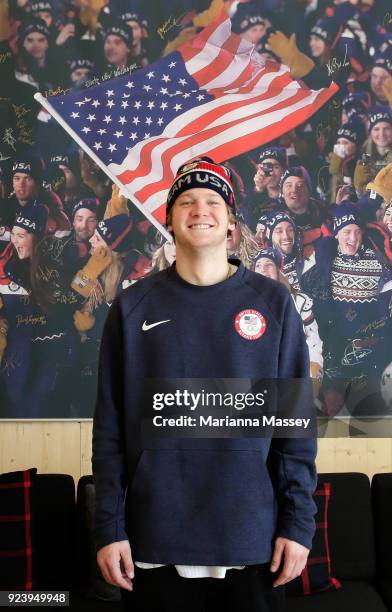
{"points": [[313, 197]]}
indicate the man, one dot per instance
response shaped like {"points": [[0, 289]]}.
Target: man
{"points": [[117, 46], [308, 214], [280, 233], [28, 190], [271, 166], [194, 509]]}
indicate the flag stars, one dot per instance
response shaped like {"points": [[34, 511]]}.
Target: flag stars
{"points": [[133, 136], [164, 90], [130, 85], [112, 147], [102, 131], [91, 118], [136, 120], [122, 120], [186, 95], [110, 103], [177, 107], [86, 130], [96, 103], [126, 95], [97, 146], [150, 74], [137, 104], [166, 78], [172, 64], [147, 87], [74, 115], [80, 103], [124, 104], [107, 119], [163, 105], [118, 134], [160, 121], [200, 97], [151, 105], [146, 135], [110, 92], [148, 120], [182, 81]]}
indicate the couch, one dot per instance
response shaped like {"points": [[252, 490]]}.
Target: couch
{"points": [[359, 533]]}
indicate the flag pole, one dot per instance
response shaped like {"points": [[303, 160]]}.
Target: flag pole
{"points": [[123, 188]]}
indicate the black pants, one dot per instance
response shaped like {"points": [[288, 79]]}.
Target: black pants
{"points": [[163, 590]]}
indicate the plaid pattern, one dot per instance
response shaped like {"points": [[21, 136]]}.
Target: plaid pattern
{"points": [[316, 576], [16, 571]]}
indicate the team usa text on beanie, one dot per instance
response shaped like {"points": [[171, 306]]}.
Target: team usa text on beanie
{"points": [[204, 173], [270, 220], [115, 231], [346, 214], [32, 218], [28, 165]]}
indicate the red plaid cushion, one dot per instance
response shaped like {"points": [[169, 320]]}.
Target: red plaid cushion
{"points": [[316, 575], [16, 554]]}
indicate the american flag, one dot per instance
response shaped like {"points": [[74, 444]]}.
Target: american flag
{"points": [[210, 97]]}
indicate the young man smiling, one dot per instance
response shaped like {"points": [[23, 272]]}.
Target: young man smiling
{"points": [[206, 521]]}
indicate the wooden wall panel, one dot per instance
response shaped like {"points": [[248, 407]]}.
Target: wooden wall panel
{"points": [[86, 449], [49, 446], [65, 447]]}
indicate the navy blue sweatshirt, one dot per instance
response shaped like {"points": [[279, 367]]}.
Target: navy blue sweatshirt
{"points": [[198, 501]]}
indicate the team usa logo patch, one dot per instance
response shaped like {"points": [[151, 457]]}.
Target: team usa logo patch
{"points": [[250, 324]]}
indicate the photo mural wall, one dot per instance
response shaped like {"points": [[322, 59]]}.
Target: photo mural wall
{"points": [[101, 102]]}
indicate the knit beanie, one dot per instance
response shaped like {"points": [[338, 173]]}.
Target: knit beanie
{"points": [[327, 29], [37, 25], [268, 254], [33, 218], [122, 30], [360, 101], [116, 232], [272, 219], [354, 130], [379, 113], [300, 172], [28, 165], [128, 16], [278, 153], [81, 62], [37, 7], [384, 60], [202, 172], [345, 214], [246, 17], [89, 203]]}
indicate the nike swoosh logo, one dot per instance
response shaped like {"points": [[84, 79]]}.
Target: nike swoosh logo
{"points": [[147, 326]]}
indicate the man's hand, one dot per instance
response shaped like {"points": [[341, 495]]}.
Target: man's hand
{"points": [[295, 556], [261, 180], [109, 558]]}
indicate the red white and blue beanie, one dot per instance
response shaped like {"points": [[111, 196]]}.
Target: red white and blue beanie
{"points": [[205, 173], [116, 232]]}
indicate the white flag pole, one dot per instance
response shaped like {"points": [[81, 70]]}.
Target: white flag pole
{"points": [[123, 188]]}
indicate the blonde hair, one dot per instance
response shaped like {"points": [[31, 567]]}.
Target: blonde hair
{"points": [[159, 259], [111, 277], [248, 247]]}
